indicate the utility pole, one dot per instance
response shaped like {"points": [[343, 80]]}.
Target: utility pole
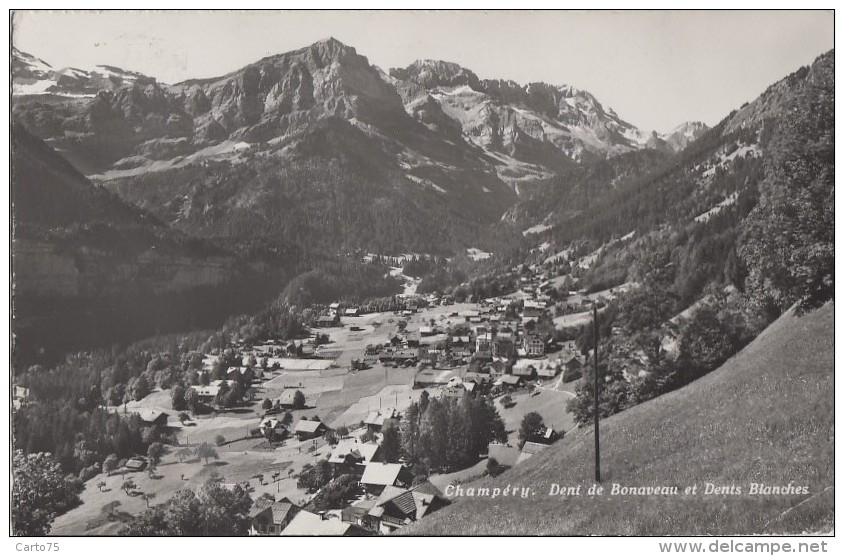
{"points": [[595, 395]]}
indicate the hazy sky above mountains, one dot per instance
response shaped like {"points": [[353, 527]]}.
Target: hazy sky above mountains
{"points": [[656, 69]]}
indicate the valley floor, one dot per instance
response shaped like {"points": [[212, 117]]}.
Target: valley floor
{"points": [[339, 396]]}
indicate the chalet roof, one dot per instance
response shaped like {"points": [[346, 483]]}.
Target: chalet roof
{"points": [[135, 463], [509, 379], [404, 502], [272, 423], [478, 378], [280, 510], [286, 396], [410, 502], [389, 492], [523, 370], [150, 415], [547, 371], [306, 523], [381, 473], [423, 502], [428, 488], [500, 365], [363, 451], [377, 417], [529, 450], [364, 503], [308, 426]]}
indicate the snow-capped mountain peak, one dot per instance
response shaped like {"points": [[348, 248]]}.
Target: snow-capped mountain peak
{"points": [[531, 123], [33, 76], [679, 137]]}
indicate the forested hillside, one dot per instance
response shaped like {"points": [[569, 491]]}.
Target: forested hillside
{"points": [[708, 281], [765, 417]]}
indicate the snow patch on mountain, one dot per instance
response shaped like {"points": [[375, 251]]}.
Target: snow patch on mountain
{"points": [[477, 254], [727, 156], [40, 87], [538, 229], [428, 183], [729, 200]]}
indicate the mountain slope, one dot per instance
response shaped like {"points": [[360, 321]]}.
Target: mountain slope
{"points": [[33, 76], [49, 193], [327, 187], [89, 270], [766, 416], [443, 153], [507, 117], [708, 187]]}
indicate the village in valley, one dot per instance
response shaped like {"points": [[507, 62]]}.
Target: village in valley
{"points": [[304, 426], [289, 273]]}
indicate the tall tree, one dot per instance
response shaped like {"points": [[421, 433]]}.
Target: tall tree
{"points": [[391, 444], [39, 493], [177, 396], [213, 510], [532, 424], [206, 451]]}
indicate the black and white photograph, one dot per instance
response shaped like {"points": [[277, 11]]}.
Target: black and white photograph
{"points": [[422, 273]]}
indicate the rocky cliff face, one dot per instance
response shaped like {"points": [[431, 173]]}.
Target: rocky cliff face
{"points": [[680, 137], [430, 139], [134, 120], [519, 120], [281, 94]]}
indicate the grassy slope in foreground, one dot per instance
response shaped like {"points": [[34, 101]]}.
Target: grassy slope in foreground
{"points": [[766, 416]]}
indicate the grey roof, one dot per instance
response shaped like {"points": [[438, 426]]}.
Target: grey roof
{"points": [[381, 473], [307, 426], [363, 451]]}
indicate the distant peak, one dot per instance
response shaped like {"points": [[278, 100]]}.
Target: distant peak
{"points": [[430, 73], [431, 63], [690, 126], [332, 44]]}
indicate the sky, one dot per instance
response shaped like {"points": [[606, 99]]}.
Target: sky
{"points": [[656, 69]]}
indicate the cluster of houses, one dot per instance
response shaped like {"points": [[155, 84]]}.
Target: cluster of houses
{"points": [[500, 343], [389, 501]]}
